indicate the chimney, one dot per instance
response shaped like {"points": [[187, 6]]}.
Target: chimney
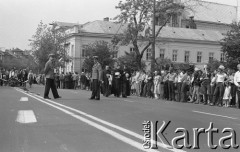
{"points": [[106, 19]]}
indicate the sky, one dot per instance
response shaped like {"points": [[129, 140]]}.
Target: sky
{"points": [[19, 18]]}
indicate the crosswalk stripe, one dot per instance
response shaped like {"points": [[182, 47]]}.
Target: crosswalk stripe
{"points": [[26, 116], [24, 99]]}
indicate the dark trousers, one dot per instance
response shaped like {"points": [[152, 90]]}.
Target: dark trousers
{"points": [[149, 89], [233, 94], [184, 90], [165, 90], [142, 87], [95, 89], [171, 90], [179, 86], [50, 84], [124, 89], [106, 89], [206, 89], [218, 93], [117, 87]]}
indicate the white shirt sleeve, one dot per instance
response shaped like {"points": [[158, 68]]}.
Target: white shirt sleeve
{"points": [[235, 79]]}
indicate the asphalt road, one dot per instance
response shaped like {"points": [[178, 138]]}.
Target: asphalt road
{"points": [[30, 123]]}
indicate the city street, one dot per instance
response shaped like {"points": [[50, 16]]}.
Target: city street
{"points": [[74, 123]]}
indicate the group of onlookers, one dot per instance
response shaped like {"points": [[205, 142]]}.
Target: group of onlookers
{"points": [[73, 80], [16, 77], [219, 87]]}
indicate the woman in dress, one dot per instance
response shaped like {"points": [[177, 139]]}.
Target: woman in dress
{"points": [[157, 85]]}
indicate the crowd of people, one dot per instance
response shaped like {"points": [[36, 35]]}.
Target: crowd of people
{"points": [[17, 77], [218, 88]]}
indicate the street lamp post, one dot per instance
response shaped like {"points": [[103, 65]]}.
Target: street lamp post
{"points": [[153, 38]]}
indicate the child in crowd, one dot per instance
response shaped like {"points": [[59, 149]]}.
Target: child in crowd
{"points": [[227, 95]]}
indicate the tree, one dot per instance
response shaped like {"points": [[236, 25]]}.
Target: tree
{"points": [[129, 61], [231, 45], [137, 14], [103, 50], [19, 61], [163, 64], [48, 40]]}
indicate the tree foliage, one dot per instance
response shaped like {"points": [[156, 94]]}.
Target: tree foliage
{"points": [[162, 64], [231, 44], [18, 61], [137, 14], [103, 50], [129, 61], [45, 41]]}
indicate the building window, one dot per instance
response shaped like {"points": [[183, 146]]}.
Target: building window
{"points": [[174, 55], [72, 51], [222, 57], [84, 51], [186, 56], [175, 20], [162, 52], [149, 54], [199, 57], [132, 50], [211, 56]]}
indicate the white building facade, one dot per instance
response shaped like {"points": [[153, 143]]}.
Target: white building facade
{"points": [[178, 43]]}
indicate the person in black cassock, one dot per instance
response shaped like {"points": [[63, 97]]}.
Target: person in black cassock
{"points": [[126, 88], [117, 80]]}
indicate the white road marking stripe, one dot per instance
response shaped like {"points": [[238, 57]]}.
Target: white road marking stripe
{"points": [[102, 128], [26, 116], [110, 124], [24, 99], [128, 100], [215, 115]]}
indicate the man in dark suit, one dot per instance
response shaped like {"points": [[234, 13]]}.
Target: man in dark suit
{"points": [[49, 75], [96, 79]]}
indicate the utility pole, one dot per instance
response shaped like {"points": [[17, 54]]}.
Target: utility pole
{"points": [[237, 13], [153, 38]]}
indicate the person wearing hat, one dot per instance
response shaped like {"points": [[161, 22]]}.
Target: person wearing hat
{"points": [[205, 85], [96, 79], [237, 83], [49, 75], [220, 78]]}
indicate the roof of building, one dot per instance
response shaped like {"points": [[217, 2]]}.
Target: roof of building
{"points": [[105, 27], [65, 24], [212, 12], [191, 34]]}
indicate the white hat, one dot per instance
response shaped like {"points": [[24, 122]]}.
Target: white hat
{"points": [[221, 67], [196, 69]]}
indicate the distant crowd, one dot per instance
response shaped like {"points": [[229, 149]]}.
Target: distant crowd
{"points": [[218, 88]]}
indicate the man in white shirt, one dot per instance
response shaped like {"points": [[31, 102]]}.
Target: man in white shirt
{"points": [[237, 83]]}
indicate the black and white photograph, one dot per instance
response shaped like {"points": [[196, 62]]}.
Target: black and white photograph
{"points": [[119, 76]]}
